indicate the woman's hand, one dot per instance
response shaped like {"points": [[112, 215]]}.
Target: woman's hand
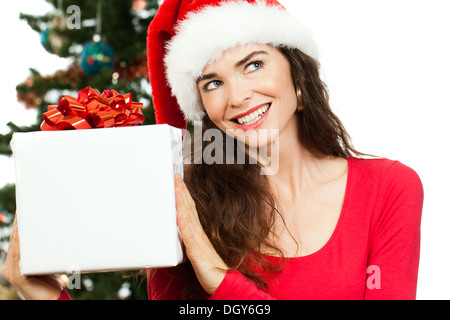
{"points": [[31, 287], [208, 265]]}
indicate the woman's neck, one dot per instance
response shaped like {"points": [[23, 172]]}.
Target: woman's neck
{"points": [[297, 168]]}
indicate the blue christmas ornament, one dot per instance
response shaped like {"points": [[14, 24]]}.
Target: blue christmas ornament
{"points": [[51, 40], [45, 40], [96, 56]]}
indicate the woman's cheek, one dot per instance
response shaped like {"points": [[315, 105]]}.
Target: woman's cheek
{"points": [[214, 106]]}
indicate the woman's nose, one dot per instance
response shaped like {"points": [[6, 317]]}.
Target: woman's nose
{"points": [[239, 93]]}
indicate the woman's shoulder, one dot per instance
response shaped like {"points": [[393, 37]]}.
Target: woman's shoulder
{"points": [[381, 165], [392, 189], [391, 174]]}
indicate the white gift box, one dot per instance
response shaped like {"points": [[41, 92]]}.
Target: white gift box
{"points": [[98, 199]]}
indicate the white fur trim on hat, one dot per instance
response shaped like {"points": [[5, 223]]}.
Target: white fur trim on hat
{"points": [[205, 35]]}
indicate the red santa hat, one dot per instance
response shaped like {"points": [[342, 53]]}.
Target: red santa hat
{"points": [[187, 35]]}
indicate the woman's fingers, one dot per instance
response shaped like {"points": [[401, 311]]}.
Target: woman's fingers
{"points": [[11, 266], [185, 198], [186, 215], [43, 287], [186, 207], [208, 265]]}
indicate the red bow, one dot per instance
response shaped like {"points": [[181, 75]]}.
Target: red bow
{"points": [[93, 110]]}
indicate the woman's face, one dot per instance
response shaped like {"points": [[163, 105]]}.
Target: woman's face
{"points": [[249, 88]]}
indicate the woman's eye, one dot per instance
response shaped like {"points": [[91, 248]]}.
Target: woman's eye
{"points": [[254, 66], [212, 85]]}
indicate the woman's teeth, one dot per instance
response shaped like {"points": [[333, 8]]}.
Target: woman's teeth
{"points": [[254, 116]]}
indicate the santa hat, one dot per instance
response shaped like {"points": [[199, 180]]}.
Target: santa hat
{"points": [[187, 35]]}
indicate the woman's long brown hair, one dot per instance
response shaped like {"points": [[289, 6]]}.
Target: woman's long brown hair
{"points": [[235, 204]]}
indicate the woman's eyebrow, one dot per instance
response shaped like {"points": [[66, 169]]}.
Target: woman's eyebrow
{"points": [[249, 57], [237, 65], [206, 77]]}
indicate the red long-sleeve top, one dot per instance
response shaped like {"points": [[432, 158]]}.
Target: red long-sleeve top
{"points": [[373, 252]]}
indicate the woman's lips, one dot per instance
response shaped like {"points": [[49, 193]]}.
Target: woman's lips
{"points": [[256, 124], [249, 111]]}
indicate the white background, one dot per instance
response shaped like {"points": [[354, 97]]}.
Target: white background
{"points": [[387, 67]]}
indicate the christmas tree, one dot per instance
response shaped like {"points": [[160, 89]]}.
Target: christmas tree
{"points": [[106, 42]]}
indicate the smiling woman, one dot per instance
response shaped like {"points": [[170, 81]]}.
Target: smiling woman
{"points": [[327, 223], [279, 234]]}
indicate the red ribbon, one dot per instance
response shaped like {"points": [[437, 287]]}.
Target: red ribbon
{"points": [[93, 110]]}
